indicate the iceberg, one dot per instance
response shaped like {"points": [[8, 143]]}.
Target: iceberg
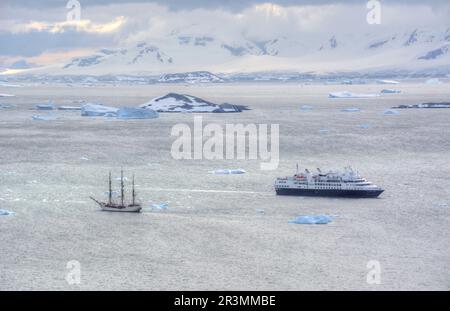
{"points": [[96, 110], [47, 117], [312, 220], [351, 109], [160, 206], [364, 126], [324, 131], [127, 113], [346, 94], [228, 172], [306, 107], [48, 106], [391, 112], [5, 213], [390, 91], [6, 106], [6, 95], [387, 82], [69, 108]]}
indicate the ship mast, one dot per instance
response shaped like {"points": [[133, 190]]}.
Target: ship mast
{"points": [[121, 186], [134, 193], [110, 189]]}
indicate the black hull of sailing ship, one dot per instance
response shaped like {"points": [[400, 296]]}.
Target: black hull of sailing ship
{"points": [[330, 193]]}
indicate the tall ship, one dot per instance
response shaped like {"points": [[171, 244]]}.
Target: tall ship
{"points": [[121, 206], [332, 184]]}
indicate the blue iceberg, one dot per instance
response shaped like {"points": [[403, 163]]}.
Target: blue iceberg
{"points": [[160, 206], [96, 110], [48, 106], [5, 213], [127, 113], [312, 220], [391, 112], [389, 91], [351, 109], [47, 117]]}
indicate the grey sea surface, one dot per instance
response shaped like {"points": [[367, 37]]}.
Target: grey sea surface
{"points": [[225, 232]]}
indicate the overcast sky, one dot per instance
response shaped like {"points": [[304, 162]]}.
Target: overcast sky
{"points": [[38, 31]]}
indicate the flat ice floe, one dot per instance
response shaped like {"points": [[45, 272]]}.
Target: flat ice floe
{"points": [[346, 94], [390, 91], [6, 95], [228, 172], [312, 220], [387, 82], [350, 109], [47, 117], [391, 112]]}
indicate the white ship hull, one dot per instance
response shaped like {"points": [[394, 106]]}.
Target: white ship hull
{"points": [[127, 209]]}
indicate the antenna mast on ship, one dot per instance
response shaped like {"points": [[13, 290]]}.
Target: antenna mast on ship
{"points": [[134, 193], [121, 185], [110, 189]]}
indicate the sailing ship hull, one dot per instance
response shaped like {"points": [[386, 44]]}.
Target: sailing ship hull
{"points": [[329, 193], [126, 209]]}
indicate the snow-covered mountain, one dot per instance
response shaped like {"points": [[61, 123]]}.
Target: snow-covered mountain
{"points": [[414, 50]]}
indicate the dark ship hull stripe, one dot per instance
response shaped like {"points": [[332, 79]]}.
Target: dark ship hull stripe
{"points": [[330, 193]]}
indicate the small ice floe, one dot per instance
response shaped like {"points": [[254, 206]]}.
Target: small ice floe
{"points": [[5, 213], [350, 109], [96, 110], [84, 158], [6, 106], [434, 81], [390, 91], [306, 107], [346, 94], [228, 172], [6, 95], [324, 131], [127, 113], [260, 211], [312, 220], [387, 82], [69, 108], [363, 126], [391, 112], [160, 206], [47, 117], [49, 106]]}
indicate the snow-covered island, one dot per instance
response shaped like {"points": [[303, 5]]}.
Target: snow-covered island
{"points": [[174, 102]]}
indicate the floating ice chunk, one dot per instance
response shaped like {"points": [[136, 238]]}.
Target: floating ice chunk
{"points": [[306, 107], [161, 206], [390, 91], [6, 106], [364, 126], [48, 106], [434, 81], [391, 112], [260, 211], [69, 108], [126, 113], [95, 110], [5, 213], [346, 94], [351, 109], [6, 95], [47, 117], [387, 82], [324, 131], [84, 158], [311, 220], [227, 172]]}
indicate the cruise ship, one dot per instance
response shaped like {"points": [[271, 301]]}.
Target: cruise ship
{"points": [[332, 184]]}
